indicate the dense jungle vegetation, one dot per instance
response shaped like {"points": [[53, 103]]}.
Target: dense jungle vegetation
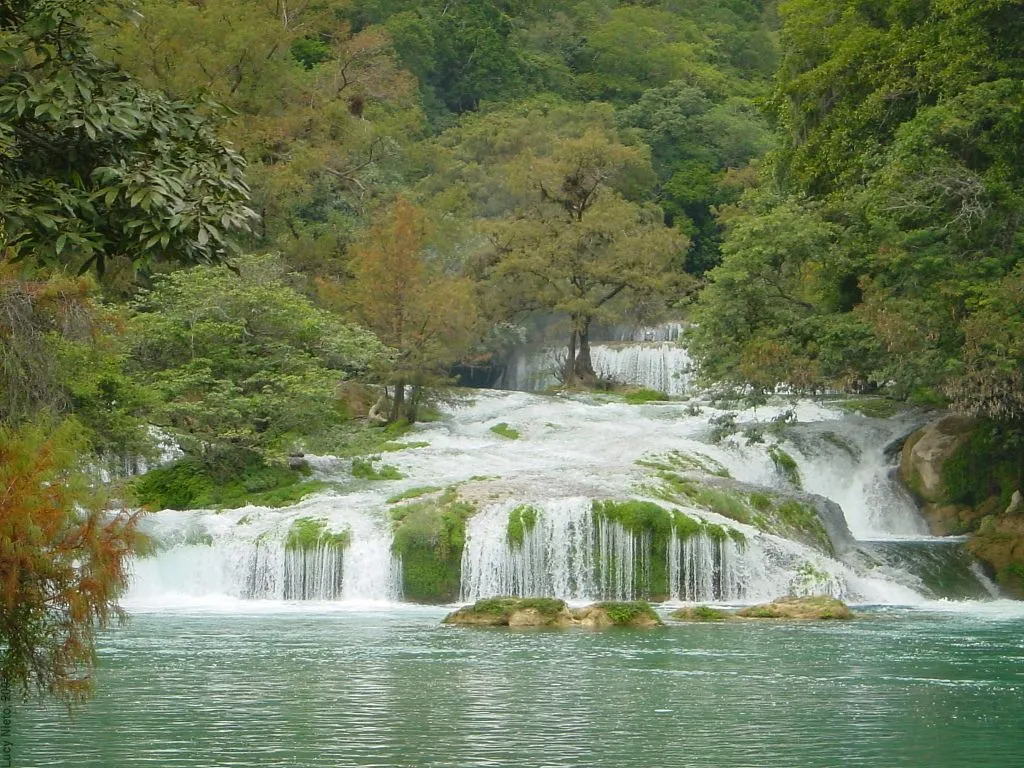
{"points": [[262, 227]]}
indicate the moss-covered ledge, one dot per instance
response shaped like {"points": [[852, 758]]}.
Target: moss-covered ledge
{"points": [[549, 612]]}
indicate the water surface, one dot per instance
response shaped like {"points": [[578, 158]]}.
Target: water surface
{"points": [[302, 686]]}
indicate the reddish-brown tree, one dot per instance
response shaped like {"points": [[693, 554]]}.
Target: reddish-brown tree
{"points": [[63, 561]]}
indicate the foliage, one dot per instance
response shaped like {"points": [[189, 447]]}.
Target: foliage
{"points": [[364, 469], [624, 614], [63, 561], [429, 538], [413, 493], [989, 463], [641, 396], [243, 364], [504, 606], [192, 484], [308, 534], [521, 520], [504, 430], [320, 113], [787, 465], [396, 292], [96, 167], [883, 247]]}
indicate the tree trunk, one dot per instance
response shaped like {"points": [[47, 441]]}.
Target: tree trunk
{"points": [[398, 404], [583, 367], [415, 397], [569, 370]]}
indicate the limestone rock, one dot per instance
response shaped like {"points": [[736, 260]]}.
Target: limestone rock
{"points": [[701, 613], [637, 615], [513, 612], [925, 452], [819, 607], [547, 612]]}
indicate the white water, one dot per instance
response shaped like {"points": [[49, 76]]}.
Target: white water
{"points": [[661, 366], [572, 449]]}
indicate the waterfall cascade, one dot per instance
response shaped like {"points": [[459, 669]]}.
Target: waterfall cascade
{"points": [[659, 365], [573, 450]]}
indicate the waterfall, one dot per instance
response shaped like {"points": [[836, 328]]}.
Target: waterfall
{"points": [[241, 554], [661, 366], [569, 555]]}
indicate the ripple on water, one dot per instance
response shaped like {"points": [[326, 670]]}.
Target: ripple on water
{"points": [[395, 689]]}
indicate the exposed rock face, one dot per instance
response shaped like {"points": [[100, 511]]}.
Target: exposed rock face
{"points": [[547, 612], [819, 607], [998, 540], [927, 450]]}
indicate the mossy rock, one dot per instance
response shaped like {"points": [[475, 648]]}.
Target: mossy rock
{"points": [[817, 608], [700, 613], [513, 612], [309, 534], [429, 537], [635, 615]]}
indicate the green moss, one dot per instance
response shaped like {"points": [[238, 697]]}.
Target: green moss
{"points": [[725, 503], [677, 461], [521, 521], [363, 468], [309, 534], [198, 537], [875, 407], [990, 463], [786, 464], [760, 501], [504, 430], [640, 396], [429, 537], [505, 606], [798, 518], [700, 613], [414, 493], [841, 443], [623, 614], [188, 484]]}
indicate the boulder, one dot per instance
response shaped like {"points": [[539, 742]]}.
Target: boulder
{"points": [[818, 608], [513, 612], [701, 613], [927, 450], [638, 615], [547, 612]]}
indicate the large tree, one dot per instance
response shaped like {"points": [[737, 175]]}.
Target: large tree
{"points": [[414, 306], [578, 247]]}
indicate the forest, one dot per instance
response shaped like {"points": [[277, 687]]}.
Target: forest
{"points": [[260, 229]]}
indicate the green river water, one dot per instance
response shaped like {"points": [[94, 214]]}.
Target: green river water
{"points": [[333, 688]]}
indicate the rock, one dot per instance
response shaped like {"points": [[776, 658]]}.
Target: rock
{"points": [[819, 608], [513, 612], [927, 450], [1016, 504], [638, 615], [547, 612], [999, 544], [297, 462], [701, 613]]}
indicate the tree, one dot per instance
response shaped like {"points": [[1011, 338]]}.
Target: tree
{"points": [[243, 364], [94, 166], [427, 316], [580, 245], [63, 561], [320, 114]]}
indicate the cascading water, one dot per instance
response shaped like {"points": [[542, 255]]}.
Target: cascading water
{"points": [[661, 366], [242, 554], [572, 450]]}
